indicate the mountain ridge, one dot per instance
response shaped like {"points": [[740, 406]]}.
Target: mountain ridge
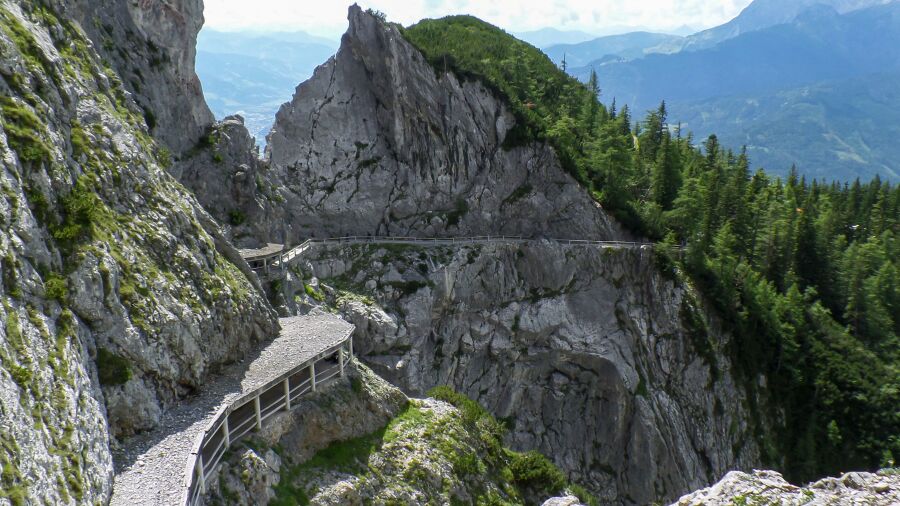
{"points": [[818, 46]]}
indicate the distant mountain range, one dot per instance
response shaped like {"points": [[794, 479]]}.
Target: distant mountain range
{"points": [[627, 46], [762, 14], [839, 129], [254, 73], [550, 37], [805, 82]]}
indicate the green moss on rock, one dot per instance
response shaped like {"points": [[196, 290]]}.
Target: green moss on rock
{"points": [[26, 133], [56, 288], [429, 453]]}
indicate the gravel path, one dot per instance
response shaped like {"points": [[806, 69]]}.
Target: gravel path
{"points": [[150, 467]]}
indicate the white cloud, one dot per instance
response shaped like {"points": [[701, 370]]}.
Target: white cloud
{"points": [[328, 17]]}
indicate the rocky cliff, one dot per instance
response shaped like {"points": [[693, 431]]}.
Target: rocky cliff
{"points": [[151, 46], [768, 487], [379, 142], [592, 355], [361, 441], [119, 294]]}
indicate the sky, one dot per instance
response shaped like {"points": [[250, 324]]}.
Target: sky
{"points": [[328, 18]]}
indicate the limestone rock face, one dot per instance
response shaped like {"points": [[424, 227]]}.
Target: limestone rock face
{"points": [[152, 45], [768, 487], [378, 142], [591, 354], [249, 478], [234, 185], [568, 500], [119, 294]]}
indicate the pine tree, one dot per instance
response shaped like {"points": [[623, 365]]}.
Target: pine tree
{"points": [[666, 177]]}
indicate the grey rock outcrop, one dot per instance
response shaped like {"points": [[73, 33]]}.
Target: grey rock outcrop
{"points": [[352, 407], [768, 487], [234, 185], [248, 479], [377, 142], [595, 358], [360, 441], [568, 500], [152, 45], [118, 296]]}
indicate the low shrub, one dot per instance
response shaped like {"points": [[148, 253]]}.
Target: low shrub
{"points": [[111, 368]]}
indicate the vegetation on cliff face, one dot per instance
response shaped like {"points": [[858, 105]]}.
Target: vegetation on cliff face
{"points": [[804, 273], [102, 253], [432, 452]]}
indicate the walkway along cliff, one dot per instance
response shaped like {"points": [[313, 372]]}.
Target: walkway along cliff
{"points": [[130, 317]]}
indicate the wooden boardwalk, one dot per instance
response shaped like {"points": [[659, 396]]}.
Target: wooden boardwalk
{"points": [[168, 466]]}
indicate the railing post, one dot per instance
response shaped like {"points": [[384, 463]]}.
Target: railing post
{"points": [[226, 432], [258, 412], [287, 393], [202, 478], [312, 376], [350, 340], [341, 359]]}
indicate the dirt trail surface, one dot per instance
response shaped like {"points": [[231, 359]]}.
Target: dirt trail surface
{"points": [[151, 467]]}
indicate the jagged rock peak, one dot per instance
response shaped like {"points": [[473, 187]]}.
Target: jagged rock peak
{"points": [[379, 142]]}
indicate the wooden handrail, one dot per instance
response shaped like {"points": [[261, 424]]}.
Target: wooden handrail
{"points": [[198, 470]]}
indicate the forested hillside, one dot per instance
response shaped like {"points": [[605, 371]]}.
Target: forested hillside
{"points": [[832, 128], [817, 91], [803, 272]]}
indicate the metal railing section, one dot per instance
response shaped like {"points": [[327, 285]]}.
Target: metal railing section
{"points": [[248, 412], [287, 257]]}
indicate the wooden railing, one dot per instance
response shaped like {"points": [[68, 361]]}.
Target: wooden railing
{"points": [[248, 412], [287, 257]]}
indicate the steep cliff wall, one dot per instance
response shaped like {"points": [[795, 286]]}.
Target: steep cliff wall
{"points": [[119, 295], [152, 45], [594, 357], [378, 142]]}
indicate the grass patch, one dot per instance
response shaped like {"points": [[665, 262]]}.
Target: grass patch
{"points": [[13, 486], [316, 295], [236, 218], [535, 473], [10, 279], [25, 131], [83, 214], [518, 194], [56, 288]]}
